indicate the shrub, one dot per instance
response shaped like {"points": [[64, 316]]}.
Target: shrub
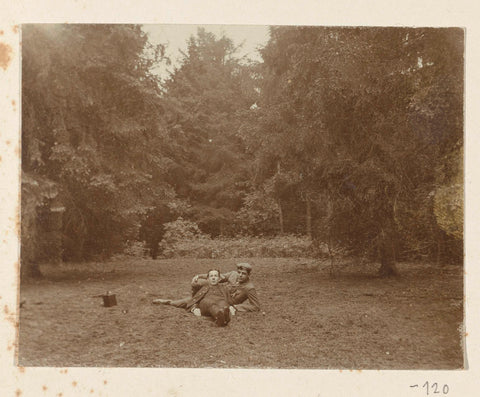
{"points": [[202, 246], [182, 229], [135, 248]]}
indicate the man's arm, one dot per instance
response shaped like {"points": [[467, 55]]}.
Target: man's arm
{"points": [[197, 297], [226, 276], [251, 304], [227, 295], [204, 276]]}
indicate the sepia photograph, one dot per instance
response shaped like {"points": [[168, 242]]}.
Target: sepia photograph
{"points": [[242, 197]]}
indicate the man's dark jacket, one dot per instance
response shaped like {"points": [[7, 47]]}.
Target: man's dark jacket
{"points": [[204, 290]]}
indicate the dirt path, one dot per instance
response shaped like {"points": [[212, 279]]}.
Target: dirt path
{"points": [[354, 321]]}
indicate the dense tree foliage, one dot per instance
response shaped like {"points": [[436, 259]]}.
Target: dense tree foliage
{"points": [[207, 94], [92, 137], [364, 123], [352, 136], [106, 146]]}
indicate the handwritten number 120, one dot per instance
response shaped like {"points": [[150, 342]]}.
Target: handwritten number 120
{"points": [[434, 388]]}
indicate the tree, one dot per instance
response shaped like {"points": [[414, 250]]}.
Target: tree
{"points": [[205, 94], [152, 228], [363, 118], [93, 129]]}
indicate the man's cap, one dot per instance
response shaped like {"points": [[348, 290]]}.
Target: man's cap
{"points": [[244, 265]]}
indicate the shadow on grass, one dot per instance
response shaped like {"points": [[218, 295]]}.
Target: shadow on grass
{"points": [[78, 272]]}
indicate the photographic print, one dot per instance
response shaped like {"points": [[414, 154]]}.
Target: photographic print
{"points": [[242, 196]]}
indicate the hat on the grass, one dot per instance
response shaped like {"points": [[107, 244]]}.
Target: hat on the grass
{"points": [[244, 265]]}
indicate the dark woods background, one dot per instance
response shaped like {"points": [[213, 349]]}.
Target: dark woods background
{"points": [[351, 137]]}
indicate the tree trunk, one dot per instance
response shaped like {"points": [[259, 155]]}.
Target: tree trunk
{"points": [[154, 249], [30, 270], [387, 269], [440, 243], [279, 203], [332, 258], [387, 255], [280, 216], [309, 217]]}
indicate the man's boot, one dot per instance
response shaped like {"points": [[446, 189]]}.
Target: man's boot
{"points": [[223, 317]]}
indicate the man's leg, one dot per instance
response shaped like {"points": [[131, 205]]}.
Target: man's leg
{"points": [[217, 309], [181, 303], [205, 307]]}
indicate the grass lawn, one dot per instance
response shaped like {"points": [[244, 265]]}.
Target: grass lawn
{"points": [[311, 320]]}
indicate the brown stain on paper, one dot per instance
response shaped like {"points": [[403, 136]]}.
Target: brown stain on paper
{"points": [[10, 317], [5, 55], [15, 29], [17, 227], [12, 345]]}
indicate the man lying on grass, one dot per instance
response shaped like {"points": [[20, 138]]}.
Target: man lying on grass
{"points": [[238, 283], [212, 300]]}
